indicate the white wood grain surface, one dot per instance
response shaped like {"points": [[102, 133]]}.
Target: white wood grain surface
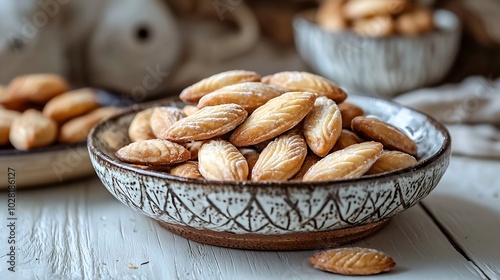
{"points": [[79, 231], [467, 204]]}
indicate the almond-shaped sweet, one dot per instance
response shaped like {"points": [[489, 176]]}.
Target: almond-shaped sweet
{"points": [[377, 26], [155, 168], [266, 79], [416, 21], [222, 161], [7, 117], [249, 95], [309, 161], [193, 147], [281, 159], [351, 162], [362, 9], [188, 169], [389, 135], [273, 118], [193, 93], [32, 130], [262, 145], [77, 129], [346, 139], [251, 156], [305, 81], [140, 127], [21, 106], [330, 15], [163, 118], [207, 123], [153, 152], [38, 88], [9, 102], [188, 110], [353, 261], [349, 111], [322, 126], [391, 161], [4, 98], [115, 139], [71, 104]]}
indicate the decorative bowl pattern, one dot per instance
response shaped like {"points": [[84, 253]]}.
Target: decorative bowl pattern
{"points": [[241, 210], [382, 67]]}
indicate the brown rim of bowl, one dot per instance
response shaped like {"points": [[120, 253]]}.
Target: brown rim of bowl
{"points": [[285, 184]]}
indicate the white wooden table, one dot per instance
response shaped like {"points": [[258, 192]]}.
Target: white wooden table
{"points": [[79, 231]]}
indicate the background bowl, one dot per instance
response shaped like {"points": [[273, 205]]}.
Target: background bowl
{"points": [[275, 215], [54, 164], [381, 67]]}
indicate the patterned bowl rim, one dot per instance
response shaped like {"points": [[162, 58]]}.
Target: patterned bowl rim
{"points": [[306, 17], [388, 176]]}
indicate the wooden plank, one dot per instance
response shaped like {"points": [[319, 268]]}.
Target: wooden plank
{"points": [[467, 204], [79, 231]]}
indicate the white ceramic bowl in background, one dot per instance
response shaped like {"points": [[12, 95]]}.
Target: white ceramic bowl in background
{"points": [[381, 67], [275, 215]]}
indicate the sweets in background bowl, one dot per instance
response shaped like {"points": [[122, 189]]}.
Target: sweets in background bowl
{"points": [[39, 110], [376, 18], [380, 48], [43, 127]]}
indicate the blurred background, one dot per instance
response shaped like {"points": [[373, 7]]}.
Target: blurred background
{"points": [[154, 48]]}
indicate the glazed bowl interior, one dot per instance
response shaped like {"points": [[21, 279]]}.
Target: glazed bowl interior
{"points": [[245, 209]]}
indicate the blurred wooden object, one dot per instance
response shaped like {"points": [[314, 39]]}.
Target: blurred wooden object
{"points": [[275, 18], [29, 40], [480, 46], [480, 18], [234, 34]]}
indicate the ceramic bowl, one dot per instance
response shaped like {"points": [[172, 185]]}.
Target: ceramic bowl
{"points": [[381, 67], [275, 215]]}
